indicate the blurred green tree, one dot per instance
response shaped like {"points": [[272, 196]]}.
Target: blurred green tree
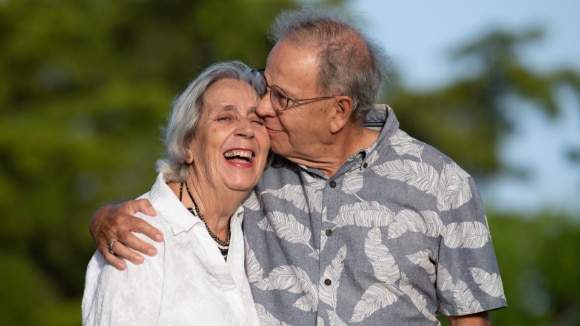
{"points": [[86, 84], [469, 118], [539, 266]]}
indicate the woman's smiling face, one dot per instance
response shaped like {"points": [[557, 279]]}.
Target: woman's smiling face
{"points": [[230, 146]]}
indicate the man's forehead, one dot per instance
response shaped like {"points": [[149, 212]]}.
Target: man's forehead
{"points": [[287, 59]]}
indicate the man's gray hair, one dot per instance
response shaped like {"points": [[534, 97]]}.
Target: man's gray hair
{"points": [[350, 63], [187, 109]]}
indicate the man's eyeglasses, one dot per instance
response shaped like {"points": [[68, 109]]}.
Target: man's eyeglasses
{"points": [[279, 98]]}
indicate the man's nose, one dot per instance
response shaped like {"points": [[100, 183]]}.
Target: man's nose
{"points": [[265, 108]]}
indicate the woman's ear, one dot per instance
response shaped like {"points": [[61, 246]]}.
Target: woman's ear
{"points": [[188, 154], [342, 113]]}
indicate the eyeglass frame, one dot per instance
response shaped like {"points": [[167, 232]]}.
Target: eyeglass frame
{"points": [[285, 95]]}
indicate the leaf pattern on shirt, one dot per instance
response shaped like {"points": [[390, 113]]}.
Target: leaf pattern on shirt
{"points": [[252, 202], [324, 214], [334, 319], [417, 174], [488, 283], [465, 235], [253, 268], [266, 319], [313, 182], [286, 227], [426, 222], [444, 279], [315, 254], [378, 295], [451, 187], [404, 145], [424, 260], [454, 189], [372, 157], [307, 302], [323, 239], [328, 293], [384, 265], [295, 195], [418, 300], [368, 214], [352, 183], [295, 280], [462, 295]]}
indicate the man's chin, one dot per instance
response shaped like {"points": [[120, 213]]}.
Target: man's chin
{"points": [[280, 149]]}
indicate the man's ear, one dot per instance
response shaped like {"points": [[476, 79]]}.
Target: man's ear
{"points": [[342, 113]]}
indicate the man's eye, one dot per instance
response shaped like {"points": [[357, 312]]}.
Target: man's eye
{"points": [[280, 98]]}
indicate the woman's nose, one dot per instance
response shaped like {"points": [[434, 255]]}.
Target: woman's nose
{"points": [[245, 128]]}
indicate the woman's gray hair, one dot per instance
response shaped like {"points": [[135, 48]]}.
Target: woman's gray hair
{"points": [[350, 63], [187, 108]]}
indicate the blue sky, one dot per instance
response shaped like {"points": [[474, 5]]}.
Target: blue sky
{"points": [[418, 35]]}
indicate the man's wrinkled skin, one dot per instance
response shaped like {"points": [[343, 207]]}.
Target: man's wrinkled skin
{"points": [[122, 232]]}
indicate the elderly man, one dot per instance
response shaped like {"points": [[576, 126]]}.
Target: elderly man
{"points": [[355, 221]]}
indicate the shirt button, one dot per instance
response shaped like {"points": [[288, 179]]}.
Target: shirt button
{"points": [[327, 281], [328, 232], [332, 184], [365, 165]]}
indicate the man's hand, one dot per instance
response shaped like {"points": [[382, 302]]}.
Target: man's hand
{"points": [[116, 223]]}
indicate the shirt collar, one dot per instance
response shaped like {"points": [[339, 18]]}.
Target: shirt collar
{"points": [[178, 217]]}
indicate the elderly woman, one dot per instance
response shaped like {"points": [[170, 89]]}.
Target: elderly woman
{"points": [[217, 149]]}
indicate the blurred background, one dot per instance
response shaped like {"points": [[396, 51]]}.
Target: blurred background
{"points": [[86, 85]]}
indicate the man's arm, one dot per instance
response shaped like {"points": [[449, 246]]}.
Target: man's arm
{"points": [[479, 319], [116, 222]]}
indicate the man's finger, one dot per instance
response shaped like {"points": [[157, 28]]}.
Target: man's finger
{"points": [[134, 243], [147, 229], [112, 259], [143, 206], [121, 252]]}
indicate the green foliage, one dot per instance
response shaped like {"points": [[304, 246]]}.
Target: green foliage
{"points": [[539, 265], [86, 84], [85, 87], [468, 118]]}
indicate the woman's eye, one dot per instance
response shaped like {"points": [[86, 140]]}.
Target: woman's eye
{"points": [[258, 121], [224, 118]]}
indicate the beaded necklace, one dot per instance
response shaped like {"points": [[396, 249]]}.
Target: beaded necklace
{"points": [[223, 246]]}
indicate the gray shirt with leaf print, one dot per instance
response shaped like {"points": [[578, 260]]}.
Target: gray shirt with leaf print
{"points": [[396, 236]]}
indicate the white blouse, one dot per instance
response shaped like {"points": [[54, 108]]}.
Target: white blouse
{"points": [[186, 283]]}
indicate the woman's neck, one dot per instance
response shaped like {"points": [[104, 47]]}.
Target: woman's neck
{"points": [[215, 205]]}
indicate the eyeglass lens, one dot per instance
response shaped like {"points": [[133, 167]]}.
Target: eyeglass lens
{"points": [[278, 98]]}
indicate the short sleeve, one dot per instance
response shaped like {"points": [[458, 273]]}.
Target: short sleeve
{"points": [[468, 279]]}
